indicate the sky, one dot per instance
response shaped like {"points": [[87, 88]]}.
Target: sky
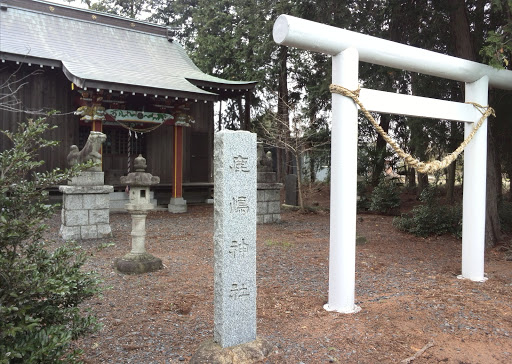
{"points": [[76, 3]]}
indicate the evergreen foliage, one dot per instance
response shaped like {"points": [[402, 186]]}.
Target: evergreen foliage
{"points": [[431, 218], [497, 49], [505, 213], [385, 197], [40, 289]]}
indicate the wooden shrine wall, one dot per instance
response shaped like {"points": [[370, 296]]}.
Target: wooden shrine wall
{"points": [[197, 167], [51, 90], [47, 90], [198, 145]]}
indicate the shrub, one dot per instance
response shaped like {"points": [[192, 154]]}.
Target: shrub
{"points": [[505, 214], [385, 197], [431, 218], [40, 288], [363, 196]]}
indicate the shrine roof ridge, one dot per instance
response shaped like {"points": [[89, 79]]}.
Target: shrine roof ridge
{"points": [[98, 17], [98, 50]]}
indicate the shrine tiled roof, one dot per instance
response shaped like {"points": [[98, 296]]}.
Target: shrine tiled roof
{"points": [[97, 50]]}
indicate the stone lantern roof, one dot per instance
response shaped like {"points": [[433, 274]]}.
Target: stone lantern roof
{"points": [[139, 177]]}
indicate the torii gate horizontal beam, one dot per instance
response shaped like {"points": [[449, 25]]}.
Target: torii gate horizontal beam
{"points": [[295, 32], [400, 104]]}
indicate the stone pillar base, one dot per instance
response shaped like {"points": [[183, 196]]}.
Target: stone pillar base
{"points": [[269, 203], [138, 263], [85, 211], [98, 231], [251, 352], [177, 205]]}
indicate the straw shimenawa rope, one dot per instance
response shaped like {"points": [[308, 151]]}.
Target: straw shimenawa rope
{"points": [[421, 167]]}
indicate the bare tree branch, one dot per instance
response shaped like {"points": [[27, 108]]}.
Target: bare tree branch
{"points": [[9, 93], [291, 137]]}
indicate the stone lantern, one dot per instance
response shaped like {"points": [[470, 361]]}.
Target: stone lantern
{"points": [[138, 260]]}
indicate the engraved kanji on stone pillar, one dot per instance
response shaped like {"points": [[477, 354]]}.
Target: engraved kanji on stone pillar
{"points": [[235, 204]]}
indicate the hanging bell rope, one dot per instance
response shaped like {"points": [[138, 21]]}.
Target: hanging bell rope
{"points": [[129, 151], [129, 161], [421, 167]]}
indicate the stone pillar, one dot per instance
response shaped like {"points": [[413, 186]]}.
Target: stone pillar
{"points": [[235, 237], [291, 189], [138, 261], [138, 232], [269, 191], [85, 208], [235, 204]]}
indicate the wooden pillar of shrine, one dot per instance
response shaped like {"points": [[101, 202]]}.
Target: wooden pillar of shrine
{"points": [[97, 125], [177, 204]]}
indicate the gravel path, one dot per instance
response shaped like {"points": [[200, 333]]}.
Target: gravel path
{"points": [[406, 287]]}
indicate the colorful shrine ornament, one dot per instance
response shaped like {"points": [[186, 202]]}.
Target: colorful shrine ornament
{"points": [[132, 116]]}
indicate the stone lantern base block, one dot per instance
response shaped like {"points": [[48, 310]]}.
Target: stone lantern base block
{"points": [[138, 263], [251, 352]]}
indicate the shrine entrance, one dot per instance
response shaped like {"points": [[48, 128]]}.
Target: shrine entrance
{"points": [[346, 49]]}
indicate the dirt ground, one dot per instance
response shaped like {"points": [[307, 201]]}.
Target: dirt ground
{"points": [[406, 287]]}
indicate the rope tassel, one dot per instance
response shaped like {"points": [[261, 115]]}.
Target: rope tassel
{"points": [[421, 167]]}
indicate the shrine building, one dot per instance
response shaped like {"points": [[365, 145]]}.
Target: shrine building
{"points": [[127, 78]]}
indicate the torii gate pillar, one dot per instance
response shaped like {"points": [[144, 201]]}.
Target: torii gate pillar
{"points": [[347, 48], [474, 189], [342, 246]]}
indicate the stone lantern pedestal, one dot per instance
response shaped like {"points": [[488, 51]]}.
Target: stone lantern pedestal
{"points": [[139, 261]]}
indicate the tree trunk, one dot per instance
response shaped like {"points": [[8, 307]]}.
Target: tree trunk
{"points": [[241, 113], [422, 182], [396, 34], [312, 169], [459, 23], [455, 138], [299, 180], [464, 48], [220, 116], [411, 177], [247, 114], [282, 110], [493, 192], [450, 181], [378, 168]]}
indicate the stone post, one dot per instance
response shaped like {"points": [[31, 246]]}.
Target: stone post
{"points": [[291, 189], [269, 191], [138, 260], [235, 237], [235, 206]]}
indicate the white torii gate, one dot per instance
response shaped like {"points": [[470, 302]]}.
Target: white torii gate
{"points": [[346, 48]]}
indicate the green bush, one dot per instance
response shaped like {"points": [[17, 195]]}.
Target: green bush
{"points": [[385, 197], [505, 214], [431, 218], [363, 196], [40, 288]]}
